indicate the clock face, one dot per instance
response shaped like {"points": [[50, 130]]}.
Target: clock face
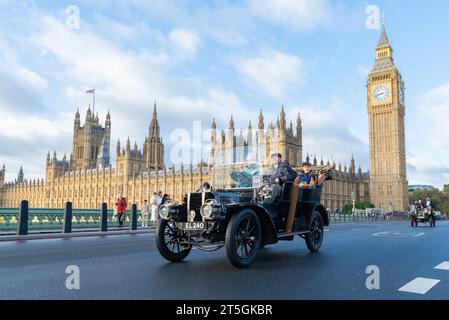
{"points": [[381, 93]]}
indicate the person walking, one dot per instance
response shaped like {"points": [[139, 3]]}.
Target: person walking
{"points": [[165, 198], [159, 204], [121, 208], [144, 210], [154, 212]]}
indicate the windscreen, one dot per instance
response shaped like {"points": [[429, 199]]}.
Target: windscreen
{"points": [[240, 167]]}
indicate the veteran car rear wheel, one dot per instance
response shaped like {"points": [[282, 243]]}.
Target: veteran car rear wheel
{"points": [[315, 237], [169, 242], [243, 237]]}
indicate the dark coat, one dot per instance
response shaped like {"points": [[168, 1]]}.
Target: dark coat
{"points": [[284, 172]]}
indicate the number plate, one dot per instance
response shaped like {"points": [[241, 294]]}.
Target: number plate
{"points": [[192, 226]]}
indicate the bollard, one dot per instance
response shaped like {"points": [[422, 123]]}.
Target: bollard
{"points": [[67, 228], [22, 228], [134, 217], [104, 217]]}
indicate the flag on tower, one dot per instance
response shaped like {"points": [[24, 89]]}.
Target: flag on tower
{"points": [[93, 103]]}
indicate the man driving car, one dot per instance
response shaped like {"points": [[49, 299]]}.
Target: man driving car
{"points": [[280, 172]]}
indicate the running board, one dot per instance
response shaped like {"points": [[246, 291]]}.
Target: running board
{"points": [[289, 234]]}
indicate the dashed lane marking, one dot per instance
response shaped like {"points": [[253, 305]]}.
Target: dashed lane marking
{"points": [[443, 266], [419, 285]]}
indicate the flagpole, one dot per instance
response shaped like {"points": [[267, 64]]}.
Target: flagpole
{"points": [[93, 104]]}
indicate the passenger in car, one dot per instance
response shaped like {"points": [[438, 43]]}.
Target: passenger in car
{"points": [[308, 178]]}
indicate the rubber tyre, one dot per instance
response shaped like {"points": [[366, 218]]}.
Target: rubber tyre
{"points": [[237, 238], [164, 227], [315, 237]]}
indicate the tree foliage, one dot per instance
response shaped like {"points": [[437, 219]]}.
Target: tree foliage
{"points": [[362, 205]]}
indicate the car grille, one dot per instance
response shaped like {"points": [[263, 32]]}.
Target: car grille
{"points": [[196, 201]]}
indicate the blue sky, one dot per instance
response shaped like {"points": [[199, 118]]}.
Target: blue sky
{"points": [[204, 59]]}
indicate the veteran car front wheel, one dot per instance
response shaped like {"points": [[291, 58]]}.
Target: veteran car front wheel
{"points": [[243, 236], [170, 242], [315, 237]]}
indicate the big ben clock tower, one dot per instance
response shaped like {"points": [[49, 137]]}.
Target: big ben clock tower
{"points": [[386, 111]]}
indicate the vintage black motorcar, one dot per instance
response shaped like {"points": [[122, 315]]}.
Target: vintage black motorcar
{"points": [[241, 220]]}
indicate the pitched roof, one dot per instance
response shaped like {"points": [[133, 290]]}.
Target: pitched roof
{"points": [[383, 40]]}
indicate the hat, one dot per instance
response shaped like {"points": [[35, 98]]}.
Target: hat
{"points": [[306, 164]]}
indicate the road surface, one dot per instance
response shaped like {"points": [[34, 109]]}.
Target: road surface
{"points": [[130, 267]]}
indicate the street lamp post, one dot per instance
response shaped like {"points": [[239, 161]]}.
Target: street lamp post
{"points": [[353, 204]]}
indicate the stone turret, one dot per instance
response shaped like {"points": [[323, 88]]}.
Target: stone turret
{"points": [[153, 148], [2, 176], [118, 149]]}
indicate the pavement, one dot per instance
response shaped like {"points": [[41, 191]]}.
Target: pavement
{"points": [[411, 263], [51, 234]]}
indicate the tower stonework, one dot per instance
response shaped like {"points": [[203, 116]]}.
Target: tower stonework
{"points": [[386, 111], [91, 142], [153, 149]]}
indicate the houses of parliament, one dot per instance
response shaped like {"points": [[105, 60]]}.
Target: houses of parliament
{"points": [[87, 178]]}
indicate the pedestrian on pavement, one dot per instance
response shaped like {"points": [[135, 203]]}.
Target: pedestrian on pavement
{"points": [[144, 210], [165, 198], [154, 212], [121, 208], [159, 201]]}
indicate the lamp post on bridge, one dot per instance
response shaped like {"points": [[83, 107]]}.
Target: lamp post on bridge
{"points": [[353, 203]]}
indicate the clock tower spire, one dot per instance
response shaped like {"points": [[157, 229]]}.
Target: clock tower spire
{"points": [[386, 112]]}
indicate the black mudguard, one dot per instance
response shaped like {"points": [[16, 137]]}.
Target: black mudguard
{"points": [[268, 229]]}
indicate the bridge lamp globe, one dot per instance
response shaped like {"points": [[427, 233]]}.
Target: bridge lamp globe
{"points": [[164, 212]]}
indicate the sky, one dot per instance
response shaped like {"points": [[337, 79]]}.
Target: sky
{"points": [[209, 59]]}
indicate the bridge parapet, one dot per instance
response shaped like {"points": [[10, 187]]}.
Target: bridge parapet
{"points": [[52, 220]]}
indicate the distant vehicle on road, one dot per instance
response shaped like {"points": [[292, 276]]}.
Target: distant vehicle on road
{"points": [[422, 216], [242, 220]]}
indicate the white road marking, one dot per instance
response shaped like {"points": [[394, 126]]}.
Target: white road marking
{"points": [[398, 234], [443, 266], [419, 285], [326, 230]]}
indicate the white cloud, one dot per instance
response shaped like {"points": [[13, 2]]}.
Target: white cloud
{"points": [[273, 72], [297, 15], [186, 40], [431, 134], [326, 137], [31, 127]]}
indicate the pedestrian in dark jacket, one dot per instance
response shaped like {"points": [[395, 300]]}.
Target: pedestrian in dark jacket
{"points": [[164, 199]]}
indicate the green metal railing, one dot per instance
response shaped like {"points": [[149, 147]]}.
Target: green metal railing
{"points": [[362, 217], [48, 219]]}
